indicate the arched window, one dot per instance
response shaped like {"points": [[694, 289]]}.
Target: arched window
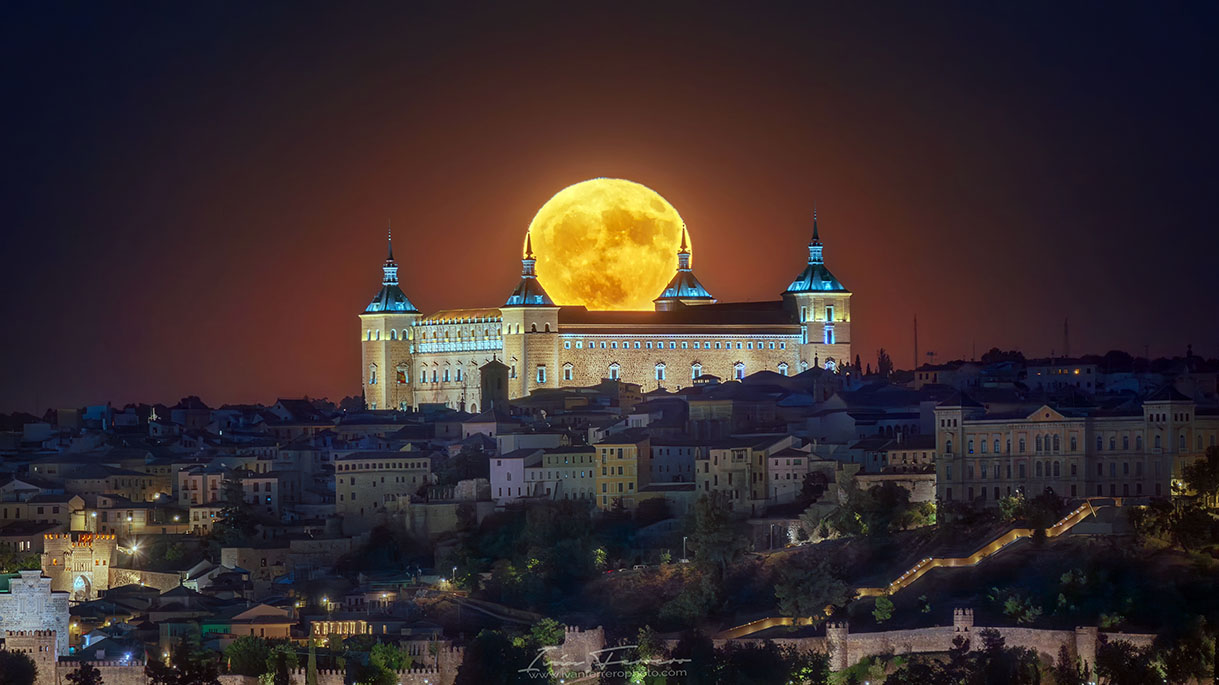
{"points": [[547, 328], [1157, 442], [372, 374], [1125, 442], [393, 334], [1056, 470], [1037, 469], [738, 370], [368, 334], [613, 371], [696, 370], [1138, 442], [660, 371], [405, 334], [533, 328], [378, 334], [947, 447], [1074, 443], [1038, 443], [1112, 443], [446, 375], [1023, 473], [1057, 443], [1100, 443], [996, 445], [1181, 441], [458, 374]]}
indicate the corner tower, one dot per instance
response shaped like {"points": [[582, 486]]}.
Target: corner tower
{"points": [[531, 332], [684, 288], [386, 341], [822, 306]]}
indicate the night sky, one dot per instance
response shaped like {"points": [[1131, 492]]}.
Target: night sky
{"points": [[195, 194]]}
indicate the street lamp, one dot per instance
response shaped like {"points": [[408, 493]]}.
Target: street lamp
{"points": [[683, 546]]}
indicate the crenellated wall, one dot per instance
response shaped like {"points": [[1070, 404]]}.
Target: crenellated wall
{"points": [[846, 649]]}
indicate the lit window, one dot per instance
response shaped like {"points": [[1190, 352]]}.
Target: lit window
{"points": [[541, 375]]}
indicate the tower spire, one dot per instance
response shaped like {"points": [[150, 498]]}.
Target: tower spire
{"points": [[814, 244], [389, 239], [683, 254], [529, 245]]}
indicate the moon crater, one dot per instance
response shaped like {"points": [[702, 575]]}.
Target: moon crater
{"points": [[606, 243]]}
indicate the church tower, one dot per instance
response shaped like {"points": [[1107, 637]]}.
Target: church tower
{"points": [[822, 306], [387, 341], [531, 332], [684, 288]]}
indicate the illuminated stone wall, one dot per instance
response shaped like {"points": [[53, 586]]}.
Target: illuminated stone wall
{"points": [[467, 343], [31, 606], [78, 563]]}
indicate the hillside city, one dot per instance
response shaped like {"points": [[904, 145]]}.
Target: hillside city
{"points": [[995, 520]]}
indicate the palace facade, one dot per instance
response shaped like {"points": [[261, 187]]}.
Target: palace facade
{"points": [[412, 359]]}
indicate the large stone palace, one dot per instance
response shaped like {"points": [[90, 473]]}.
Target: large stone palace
{"points": [[411, 359]]}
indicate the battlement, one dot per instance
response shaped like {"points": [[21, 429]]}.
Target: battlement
{"points": [[29, 633], [131, 663], [837, 626], [962, 620]]}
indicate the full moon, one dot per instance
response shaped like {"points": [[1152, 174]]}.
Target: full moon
{"points": [[606, 243]]}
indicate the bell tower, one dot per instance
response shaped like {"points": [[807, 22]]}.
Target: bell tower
{"points": [[387, 341], [531, 332], [821, 304]]}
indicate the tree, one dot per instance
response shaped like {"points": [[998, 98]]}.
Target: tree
{"points": [[883, 610], [281, 659], [188, 665], [918, 670], [1068, 670], [1190, 655], [311, 665], [695, 601], [247, 655], [1121, 663], [546, 633], [766, 663], [995, 356], [492, 659], [698, 654], [715, 537], [85, 674], [997, 663], [1202, 476], [884, 365], [237, 522], [806, 587], [17, 669]]}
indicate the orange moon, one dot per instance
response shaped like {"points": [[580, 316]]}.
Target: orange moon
{"points": [[606, 243]]}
